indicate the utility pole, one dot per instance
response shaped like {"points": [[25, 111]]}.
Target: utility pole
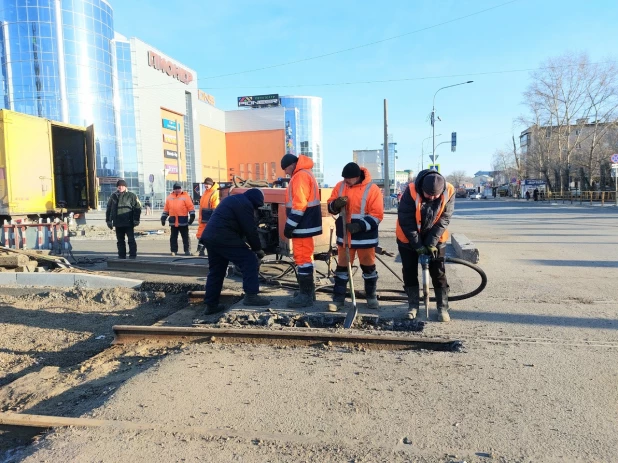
{"points": [[387, 183]]}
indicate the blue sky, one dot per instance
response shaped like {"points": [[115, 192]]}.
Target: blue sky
{"points": [[217, 38]]}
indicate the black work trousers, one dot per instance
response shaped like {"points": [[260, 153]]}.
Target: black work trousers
{"points": [[218, 259], [184, 233], [409, 261], [121, 232]]}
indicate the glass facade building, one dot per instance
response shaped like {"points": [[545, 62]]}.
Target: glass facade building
{"points": [[307, 136], [57, 59]]}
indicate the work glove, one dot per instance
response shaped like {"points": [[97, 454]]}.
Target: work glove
{"points": [[287, 232], [136, 223], [110, 225], [162, 220], [354, 227], [339, 203], [260, 254], [421, 250], [191, 218], [433, 252]]}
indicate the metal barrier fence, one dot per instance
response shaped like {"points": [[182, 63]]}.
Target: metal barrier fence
{"points": [[584, 196]]}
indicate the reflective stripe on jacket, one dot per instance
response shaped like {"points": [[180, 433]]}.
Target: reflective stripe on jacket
{"points": [[412, 225], [365, 206], [302, 199], [178, 207]]}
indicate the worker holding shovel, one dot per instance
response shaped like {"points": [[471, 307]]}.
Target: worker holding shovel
{"points": [[363, 204]]}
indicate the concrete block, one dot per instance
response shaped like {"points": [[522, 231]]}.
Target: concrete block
{"points": [[28, 268], [465, 248], [62, 280], [13, 260], [100, 281], [8, 279]]}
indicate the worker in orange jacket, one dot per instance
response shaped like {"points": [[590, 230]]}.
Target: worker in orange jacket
{"points": [[180, 212], [304, 221], [208, 202], [364, 206]]}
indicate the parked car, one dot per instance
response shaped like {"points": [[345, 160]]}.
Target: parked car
{"points": [[476, 196]]}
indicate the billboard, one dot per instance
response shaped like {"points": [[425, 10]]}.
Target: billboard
{"points": [[171, 168], [205, 97], [171, 125], [170, 154], [259, 101]]}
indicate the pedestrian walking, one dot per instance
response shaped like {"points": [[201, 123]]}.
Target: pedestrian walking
{"points": [[364, 206], [123, 212], [527, 195], [304, 221], [422, 220], [148, 205], [180, 212], [208, 202], [535, 194], [232, 236]]}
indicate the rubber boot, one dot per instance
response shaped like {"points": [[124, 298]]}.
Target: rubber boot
{"points": [[213, 309], [254, 300], [304, 298], [371, 284], [413, 301], [442, 303], [338, 294], [296, 293], [200, 250]]}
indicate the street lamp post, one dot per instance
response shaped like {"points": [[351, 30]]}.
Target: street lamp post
{"points": [[433, 114], [423, 149]]}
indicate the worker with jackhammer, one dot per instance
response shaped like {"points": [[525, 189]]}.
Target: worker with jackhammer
{"points": [[364, 206], [304, 221], [180, 212], [230, 229], [208, 202], [422, 220]]}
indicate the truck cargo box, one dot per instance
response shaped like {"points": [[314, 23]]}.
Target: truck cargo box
{"points": [[46, 167]]}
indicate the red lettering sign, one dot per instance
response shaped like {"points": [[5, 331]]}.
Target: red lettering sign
{"points": [[161, 64]]}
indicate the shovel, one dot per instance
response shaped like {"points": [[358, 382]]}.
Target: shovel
{"points": [[351, 315]]}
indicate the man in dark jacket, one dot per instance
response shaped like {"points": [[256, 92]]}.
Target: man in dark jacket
{"points": [[422, 219], [123, 212], [230, 229]]}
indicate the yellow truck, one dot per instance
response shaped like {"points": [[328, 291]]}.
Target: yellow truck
{"points": [[47, 168]]}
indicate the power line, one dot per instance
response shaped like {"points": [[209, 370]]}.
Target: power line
{"points": [[460, 18]]}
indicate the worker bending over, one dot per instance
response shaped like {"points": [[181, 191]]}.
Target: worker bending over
{"points": [[232, 236], [364, 206]]}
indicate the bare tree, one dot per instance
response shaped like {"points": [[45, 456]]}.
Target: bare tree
{"points": [[572, 105], [457, 177]]}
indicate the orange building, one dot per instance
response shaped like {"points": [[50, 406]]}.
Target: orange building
{"points": [[244, 143]]}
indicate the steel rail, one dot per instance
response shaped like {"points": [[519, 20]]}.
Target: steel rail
{"points": [[125, 334]]}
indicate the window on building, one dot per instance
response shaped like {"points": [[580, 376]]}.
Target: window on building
{"points": [[242, 171], [257, 171], [265, 171], [249, 172], [273, 170]]}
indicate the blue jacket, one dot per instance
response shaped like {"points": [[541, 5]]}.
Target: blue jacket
{"points": [[233, 224]]}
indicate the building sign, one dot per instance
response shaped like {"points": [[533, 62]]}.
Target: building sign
{"points": [[205, 97], [170, 154], [108, 180], [171, 168], [534, 182], [169, 139], [168, 67], [172, 125], [259, 101]]}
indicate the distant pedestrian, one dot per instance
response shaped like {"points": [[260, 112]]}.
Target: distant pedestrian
{"points": [[535, 194], [180, 211], [123, 212], [527, 195], [148, 205]]}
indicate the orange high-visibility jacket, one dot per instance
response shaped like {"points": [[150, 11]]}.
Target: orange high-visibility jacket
{"points": [[303, 201], [178, 207], [208, 202], [413, 225], [365, 206]]}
